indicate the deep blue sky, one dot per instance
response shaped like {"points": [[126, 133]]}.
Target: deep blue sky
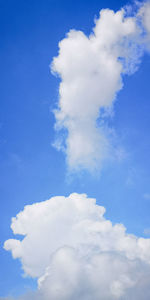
{"points": [[31, 169]]}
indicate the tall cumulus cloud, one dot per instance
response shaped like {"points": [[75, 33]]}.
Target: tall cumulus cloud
{"points": [[91, 70], [76, 253]]}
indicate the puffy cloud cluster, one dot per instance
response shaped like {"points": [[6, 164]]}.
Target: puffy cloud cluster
{"points": [[91, 69], [76, 253], [68, 244]]}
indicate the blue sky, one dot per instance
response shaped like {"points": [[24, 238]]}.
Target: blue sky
{"points": [[31, 169]]}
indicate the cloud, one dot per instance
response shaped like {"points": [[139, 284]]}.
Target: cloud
{"points": [[145, 14], [76, 253], [91, 70], [67, 243]]}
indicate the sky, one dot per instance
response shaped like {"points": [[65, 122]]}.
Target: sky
{"points": [[74, 127]]}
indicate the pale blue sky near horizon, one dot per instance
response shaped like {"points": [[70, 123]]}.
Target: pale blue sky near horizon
{"points": [[31, 169]]}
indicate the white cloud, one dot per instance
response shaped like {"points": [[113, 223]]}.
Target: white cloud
{"points": [[76, 253], [68, 245], [145, 13], [91, 69]]}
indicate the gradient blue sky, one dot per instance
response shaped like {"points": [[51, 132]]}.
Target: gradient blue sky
{"points": [[31, 169]]}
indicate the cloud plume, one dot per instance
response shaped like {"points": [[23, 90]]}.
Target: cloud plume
{"points": [[76, 253], [91, 70]]}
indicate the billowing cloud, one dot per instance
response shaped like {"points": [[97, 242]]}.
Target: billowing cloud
{"points": [[91, 69], [76, 253]]}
